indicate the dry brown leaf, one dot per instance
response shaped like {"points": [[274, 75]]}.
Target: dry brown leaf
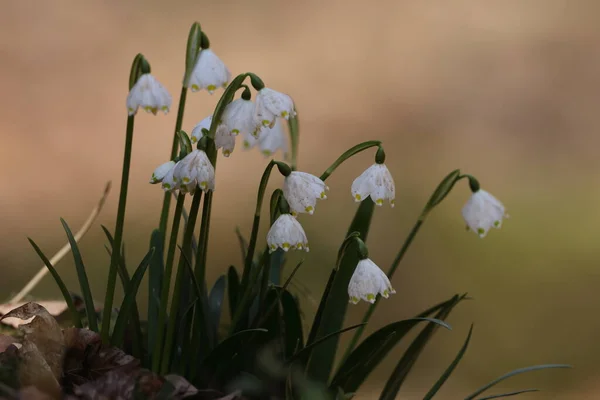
{"points": [[33, 393], [54, 308], [35, 371], [5, 341], [43, 332], [182, 387]]}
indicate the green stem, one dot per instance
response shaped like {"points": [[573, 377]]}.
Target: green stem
{"points": [[164, 214], [118, 238], [254, 235], [166, 284], [349, 153], [187, 240], [439, 194], [294, 138], [395, 263]]}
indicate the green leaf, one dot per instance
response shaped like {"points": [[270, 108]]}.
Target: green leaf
{"points": [[184, 141], [450, 368], [125, 311], [336, 303], [228, 354], [243, 243], [294, 337], [363, 360], [304, 354], [404, 366], [83, 280], [215, 303], [509, 394], [511, 374], [312, 336], [61, 285], [155, 277], [233, 289]]}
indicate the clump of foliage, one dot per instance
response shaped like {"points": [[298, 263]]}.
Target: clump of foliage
{"points": [[185, 348]]}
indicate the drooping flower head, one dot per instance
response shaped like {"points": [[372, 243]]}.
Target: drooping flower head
{"points": [[273, 139], [482, 212], [209, 73], [377, 182], [286, 233], [197, 134], [271, 104], [161, 171], [224, 139], [301, 190], [149, 94], [367, 282], [169, 183], [195, 170], [239, 117]]}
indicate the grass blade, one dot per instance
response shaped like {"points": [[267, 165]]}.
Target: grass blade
{"points": [[513, 373], [404, 366], [125, 311], [305, 353], [450, 368], [83, 280], [509, 394], [155, 278], [215, 303], [61, 285], [233, 289], [334, 311], [294, 335]]}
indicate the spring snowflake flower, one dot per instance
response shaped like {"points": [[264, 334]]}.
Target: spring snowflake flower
{"points": [[367, 281], [301, 190], [286, 233], [160, 172], [195, 169], [271, 104], [197, 130], [482, 212], [377, 182], [149, 94], [239, 117], [249, 141], [209, 72], [272, 139], [224, 139], [169, 183]]}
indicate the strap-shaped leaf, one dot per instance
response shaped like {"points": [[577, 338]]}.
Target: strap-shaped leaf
{"points": [[294, 336], [404, 366], [90, 309], [215, 303], [304, 354], [511, 374], [233, 289], [156, 272], [440, 382], [126, 308], [509, 394], [61, 285], [333, 314], [363, 360]]}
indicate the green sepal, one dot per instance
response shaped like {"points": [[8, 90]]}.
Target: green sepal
{"points": [[192, 51]]}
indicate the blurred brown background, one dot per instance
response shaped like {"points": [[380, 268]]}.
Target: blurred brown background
{"points": [[506, 90]]}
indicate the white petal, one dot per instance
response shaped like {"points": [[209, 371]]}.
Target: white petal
{"points": [[377, 182], [272, 139], [149, 94], [367, 281], [197, 130], [224, 140], [160, 172], [239, 117], [195, 169], [286, 233], [482, 212], [301, 190], [209, 73], [271, 104]]}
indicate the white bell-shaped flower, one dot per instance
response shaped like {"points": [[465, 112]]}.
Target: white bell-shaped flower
{"points": [[209, 73], [301, 190], [377, 182], [249, 141], [271, 104], [239, 117], [225, 140], [197, 130], [286, 233], [160, 172], [149, 94], [169, 183], [482, 212], [367, 281], [195, 169], [273, 139]]}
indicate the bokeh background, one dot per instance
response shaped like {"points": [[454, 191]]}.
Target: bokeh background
{"points": [[506, 90]]}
